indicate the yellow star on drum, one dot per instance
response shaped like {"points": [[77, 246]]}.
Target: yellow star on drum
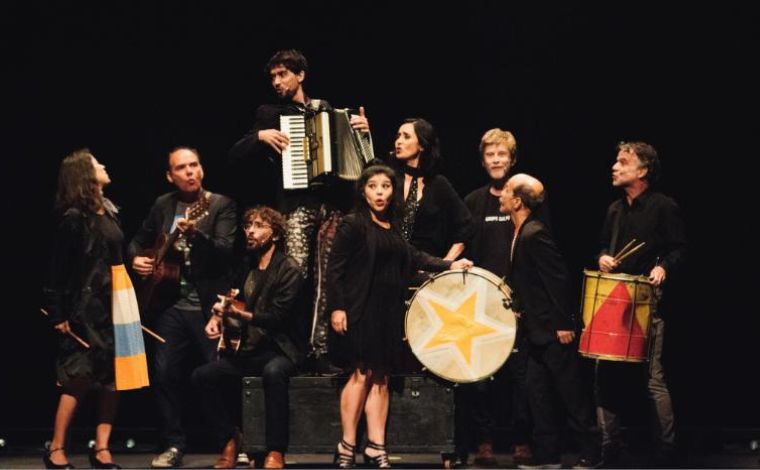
{"points": [[459, 326]]}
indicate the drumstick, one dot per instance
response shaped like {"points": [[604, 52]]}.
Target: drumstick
{"points": [[153, 334], [70, 333], [624, 248], [633, 250]]}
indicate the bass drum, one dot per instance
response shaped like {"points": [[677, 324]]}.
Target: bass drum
{"points": [[460, 324]]}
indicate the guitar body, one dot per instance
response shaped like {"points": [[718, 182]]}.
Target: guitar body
{"points": [[160, 290], [234, 330]]}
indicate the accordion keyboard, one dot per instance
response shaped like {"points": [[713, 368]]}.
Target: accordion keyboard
{"points": [[294, 171]]}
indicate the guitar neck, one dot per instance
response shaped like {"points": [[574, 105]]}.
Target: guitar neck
{"points": [[195, 213]]}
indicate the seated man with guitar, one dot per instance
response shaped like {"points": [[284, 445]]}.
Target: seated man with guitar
{"points": [[183, 253], [257, 335]]}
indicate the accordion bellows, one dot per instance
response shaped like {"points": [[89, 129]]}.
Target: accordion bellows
{"points": [[322, 144]]}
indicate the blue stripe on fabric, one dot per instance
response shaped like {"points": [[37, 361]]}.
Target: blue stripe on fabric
{"points": [[128, 339]]}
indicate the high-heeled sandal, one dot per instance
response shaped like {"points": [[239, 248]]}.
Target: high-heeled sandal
{"points": [[49, 463], [342, 460], [95, 462], [378, 461]]}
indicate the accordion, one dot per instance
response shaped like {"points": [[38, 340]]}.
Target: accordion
{"points": [[323, 145]]}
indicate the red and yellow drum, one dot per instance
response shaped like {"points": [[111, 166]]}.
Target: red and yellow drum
{"points": [[617, 310], [460, 324]]}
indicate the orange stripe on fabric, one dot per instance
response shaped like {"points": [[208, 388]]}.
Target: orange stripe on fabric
{"points": [[119, 278], [131, 372]]}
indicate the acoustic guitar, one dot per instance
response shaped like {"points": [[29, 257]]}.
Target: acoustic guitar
{"points": [[233, 329], [160, 290]]}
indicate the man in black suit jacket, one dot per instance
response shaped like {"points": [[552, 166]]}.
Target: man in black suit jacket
{"points": [[203, 252], [538, 277]]}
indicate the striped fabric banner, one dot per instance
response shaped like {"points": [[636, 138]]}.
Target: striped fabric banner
{"points": [[130, 365]]}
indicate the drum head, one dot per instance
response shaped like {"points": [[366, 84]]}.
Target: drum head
{"points": [[460, 324]]}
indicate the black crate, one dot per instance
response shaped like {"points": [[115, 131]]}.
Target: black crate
{"points": [[421, 417]]}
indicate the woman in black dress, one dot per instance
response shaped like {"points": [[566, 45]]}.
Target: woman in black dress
{"points": [[433, 217], [368, 273], [88, 242]]}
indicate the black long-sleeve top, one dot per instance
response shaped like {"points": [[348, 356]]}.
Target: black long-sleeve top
{"points": [[351, 264], [442, 217], [652, 218], [250, 154]]}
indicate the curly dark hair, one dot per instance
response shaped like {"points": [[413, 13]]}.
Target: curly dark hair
{"points": [[77, 185], [291, 59], [273, 218]]}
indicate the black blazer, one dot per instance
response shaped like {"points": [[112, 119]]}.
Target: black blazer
{"points": [[212, 245], [277, 308], [352, 261], [539, 279]]}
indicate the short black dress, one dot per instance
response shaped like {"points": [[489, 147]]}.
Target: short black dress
{"points": [[376, 341]]}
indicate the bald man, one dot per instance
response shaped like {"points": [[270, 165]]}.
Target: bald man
{"points": [[538, 277]]}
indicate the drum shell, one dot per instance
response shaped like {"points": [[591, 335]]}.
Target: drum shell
{"points": [[616, 311]]}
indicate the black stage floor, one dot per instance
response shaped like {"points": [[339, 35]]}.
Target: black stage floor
{"points": [[728, 458]]}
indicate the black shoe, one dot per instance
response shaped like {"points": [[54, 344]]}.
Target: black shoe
{"points": [[342, 460], [323, 368], [378, 461], [95, 462], [584, 462], [663, 458], [534, 464], [49, 463], [611, 454]]}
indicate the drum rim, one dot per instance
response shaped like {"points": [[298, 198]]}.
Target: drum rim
{"points": [[613, 357], [590, 273], [476, 271]]}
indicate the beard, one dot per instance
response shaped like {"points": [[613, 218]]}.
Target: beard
{"points": [[499, 183], [261, 248], [287, 97]]}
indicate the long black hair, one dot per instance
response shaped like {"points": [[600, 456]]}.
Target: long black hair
{"points": [[428, 140], [77, 184]]}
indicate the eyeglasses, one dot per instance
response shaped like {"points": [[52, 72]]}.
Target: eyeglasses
{"points": [[255, 225]]}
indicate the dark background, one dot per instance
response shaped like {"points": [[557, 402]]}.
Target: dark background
{"points": [[569, 81]]}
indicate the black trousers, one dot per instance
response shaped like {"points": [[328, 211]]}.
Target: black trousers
{"points": [[217, 379], [553, 375], [185, 339], [474, 414]]}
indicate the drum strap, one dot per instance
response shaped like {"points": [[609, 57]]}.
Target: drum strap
{"points": [[615, 231]]}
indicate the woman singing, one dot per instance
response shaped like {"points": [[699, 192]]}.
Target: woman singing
{"points": [[368, 274], [433, 218], [90, 301]]}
